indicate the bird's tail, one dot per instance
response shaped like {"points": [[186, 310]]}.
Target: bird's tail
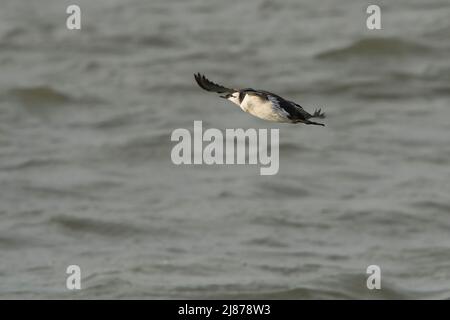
{"points": [[318, 114]]}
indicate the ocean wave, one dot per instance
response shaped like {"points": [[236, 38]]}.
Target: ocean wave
{"points": [[341, 286], [118, 120], [39, 95], [15, 242], [432, 205], [276, 190], [266, 242], [32, 163], [371, 47], [289, 222], [157, 41], [140, 148], [95, 226]]}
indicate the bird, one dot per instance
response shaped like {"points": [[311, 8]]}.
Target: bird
{"points": [[262, 104]]}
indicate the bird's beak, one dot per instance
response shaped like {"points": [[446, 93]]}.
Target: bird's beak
{"points": [[225, 97]]}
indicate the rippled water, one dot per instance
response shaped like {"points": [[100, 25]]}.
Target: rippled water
{"points": [[86, 176]]}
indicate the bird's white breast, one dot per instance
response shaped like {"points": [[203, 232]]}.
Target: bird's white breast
{"points": [[264, 109]]}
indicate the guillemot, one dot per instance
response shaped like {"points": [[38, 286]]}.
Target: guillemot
{"points": [[262, 104]]}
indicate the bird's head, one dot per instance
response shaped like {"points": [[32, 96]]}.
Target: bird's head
{"points": [[233, 97]]}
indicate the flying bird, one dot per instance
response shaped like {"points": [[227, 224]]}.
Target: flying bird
{"points": [[262, 104]]}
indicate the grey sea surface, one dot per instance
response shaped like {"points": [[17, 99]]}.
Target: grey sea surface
{"points": [[86, 176]]}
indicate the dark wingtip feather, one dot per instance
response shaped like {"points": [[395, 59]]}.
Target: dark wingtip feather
{"points": [[208, 85], [198, 79]]}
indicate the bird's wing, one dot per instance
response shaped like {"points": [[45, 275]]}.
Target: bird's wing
{"points": [[208, 85], [299, 111], [302, 111]]}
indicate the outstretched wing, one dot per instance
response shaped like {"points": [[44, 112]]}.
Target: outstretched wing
{"points": [[207, 85], [301, 112]]}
